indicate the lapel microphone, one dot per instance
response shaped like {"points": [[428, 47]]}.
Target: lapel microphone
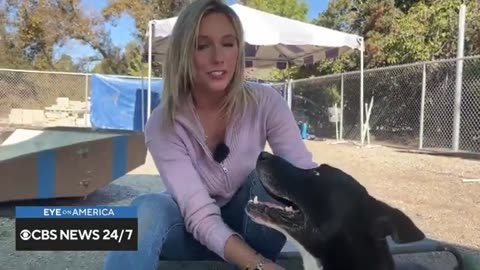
{"points": [[221, 152]]}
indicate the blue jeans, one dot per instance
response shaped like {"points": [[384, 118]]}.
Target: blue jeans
{"points": [[162, 234]]}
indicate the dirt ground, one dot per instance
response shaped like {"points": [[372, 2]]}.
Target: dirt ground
{"points": [[426, 187]]}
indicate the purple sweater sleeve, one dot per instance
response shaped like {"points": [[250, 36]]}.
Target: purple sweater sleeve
{"points": [[200, 212], [283, 134]]}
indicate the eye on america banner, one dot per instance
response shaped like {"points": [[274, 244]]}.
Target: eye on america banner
{"points": [[76, 228]]}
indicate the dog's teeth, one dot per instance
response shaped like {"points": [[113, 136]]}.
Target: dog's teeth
{"points": [[255, 199], [289, 209]]}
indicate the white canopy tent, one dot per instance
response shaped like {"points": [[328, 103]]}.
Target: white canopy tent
{"points": [[271, 40]]}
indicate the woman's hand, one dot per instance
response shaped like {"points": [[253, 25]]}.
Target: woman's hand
{"points": [[241, 254]]}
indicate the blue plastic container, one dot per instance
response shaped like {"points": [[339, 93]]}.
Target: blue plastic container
{"points": [[303, 130]]}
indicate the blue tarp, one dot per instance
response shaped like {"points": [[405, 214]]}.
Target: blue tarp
{"points": [[116, 103]]}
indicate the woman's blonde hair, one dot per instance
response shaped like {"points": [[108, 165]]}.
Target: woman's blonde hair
{"points": [[178, 68]]}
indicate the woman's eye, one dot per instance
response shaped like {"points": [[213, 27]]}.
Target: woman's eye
{"points": [[202, 46], [228, 44]]}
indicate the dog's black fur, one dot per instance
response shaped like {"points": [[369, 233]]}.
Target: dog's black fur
{"points": [[335, 219]]}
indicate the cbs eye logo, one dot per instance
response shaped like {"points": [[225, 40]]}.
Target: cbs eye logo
{"points": [[25, 235]]}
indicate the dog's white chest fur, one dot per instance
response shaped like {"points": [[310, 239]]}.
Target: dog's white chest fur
{"points": [[309, 262]]}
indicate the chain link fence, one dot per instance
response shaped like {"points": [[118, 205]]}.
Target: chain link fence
{"points": [[281, 88], [412, 105], [27, 97], [439, 108], [36, 89], [311, 99]]}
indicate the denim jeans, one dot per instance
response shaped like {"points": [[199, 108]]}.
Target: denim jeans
{"points": [[162, 234]]}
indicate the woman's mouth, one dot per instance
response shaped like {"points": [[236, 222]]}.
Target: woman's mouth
{"points": [[217, 74]]}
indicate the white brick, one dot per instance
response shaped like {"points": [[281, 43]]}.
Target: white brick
{"points": [[63, 101], [38, 116], [27, 117], [15, 118]]}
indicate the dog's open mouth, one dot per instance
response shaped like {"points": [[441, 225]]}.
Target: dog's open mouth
{"points": [[272, 213]]}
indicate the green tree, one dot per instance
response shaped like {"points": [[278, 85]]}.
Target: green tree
{"points": [[294, 9], [38, 28], [429, 31], [404, 31], [395, 32], [142, 11], [339, 15], [126, 62], [10, 55], [65, 63]]}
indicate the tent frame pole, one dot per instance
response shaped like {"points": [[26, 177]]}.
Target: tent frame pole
{"points": [[149, 85]]}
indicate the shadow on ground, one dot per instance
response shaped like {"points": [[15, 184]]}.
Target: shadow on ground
{"points": [[462, 155]]}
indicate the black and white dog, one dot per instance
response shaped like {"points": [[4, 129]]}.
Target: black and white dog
{"points": [[330, 217]]}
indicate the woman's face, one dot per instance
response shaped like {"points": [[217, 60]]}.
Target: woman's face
{"points": [[215, 57]]}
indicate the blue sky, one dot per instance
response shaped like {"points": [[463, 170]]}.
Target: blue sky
{"points": [[122, 32]]}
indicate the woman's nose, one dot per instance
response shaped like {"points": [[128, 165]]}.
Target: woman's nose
{"points": [[217, 54]]}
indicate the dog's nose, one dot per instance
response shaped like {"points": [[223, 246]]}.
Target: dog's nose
{"points": [[263, 156]]}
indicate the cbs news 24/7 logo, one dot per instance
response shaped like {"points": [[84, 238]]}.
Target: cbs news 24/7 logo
{"points": [[76, 228]]}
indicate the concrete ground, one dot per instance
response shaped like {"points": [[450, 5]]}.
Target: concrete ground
{"points": [[426, 187]]}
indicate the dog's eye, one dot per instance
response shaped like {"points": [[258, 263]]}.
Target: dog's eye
{"points": [[316, 173]]}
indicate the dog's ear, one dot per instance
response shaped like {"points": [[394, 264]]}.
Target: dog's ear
{"points": [[391, 221]]}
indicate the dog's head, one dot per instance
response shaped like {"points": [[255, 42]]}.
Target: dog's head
{"points": [[327, 211]]}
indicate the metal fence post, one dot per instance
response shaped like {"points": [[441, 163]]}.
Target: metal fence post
{"points": [[143, 103], [422, 105], [86, 119], [289, 93], [341, 107], [361, 98], [459, 78]]}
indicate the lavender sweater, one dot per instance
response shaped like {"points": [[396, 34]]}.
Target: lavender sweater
{"points": [[198, 183]]}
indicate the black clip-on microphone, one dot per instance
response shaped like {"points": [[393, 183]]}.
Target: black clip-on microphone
{"points": [[221, 152]]}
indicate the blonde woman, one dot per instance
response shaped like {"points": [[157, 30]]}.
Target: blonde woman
{"points": [[205, 138]]}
